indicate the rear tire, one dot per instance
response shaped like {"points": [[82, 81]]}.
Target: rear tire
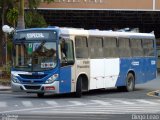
{"points": [[78, 93], [40, 95], [130, 82]]}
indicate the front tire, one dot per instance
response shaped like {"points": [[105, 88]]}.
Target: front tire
{"points": [[78, 93]]}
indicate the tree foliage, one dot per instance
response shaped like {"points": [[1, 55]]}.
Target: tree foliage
{"points": [[12, 16], [33, 3], [34, 19], [10, 12]]}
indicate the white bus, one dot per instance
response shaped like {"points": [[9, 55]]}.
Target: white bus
{"points": [[64, 60]]}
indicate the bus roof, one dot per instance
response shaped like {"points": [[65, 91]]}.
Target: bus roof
{"points": [[83, 32], [80, 32]]}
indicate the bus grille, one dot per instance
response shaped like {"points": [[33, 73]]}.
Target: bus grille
{"points": [[32, 82], [32, 76], [32, 87]]}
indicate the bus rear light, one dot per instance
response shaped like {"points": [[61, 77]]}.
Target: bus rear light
{"points": [[49, 88]]}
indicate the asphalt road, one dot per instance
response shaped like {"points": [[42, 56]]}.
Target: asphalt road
{"points": [[94, 105]]}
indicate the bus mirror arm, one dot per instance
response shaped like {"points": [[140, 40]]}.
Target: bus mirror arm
{"points": [[63, 59], [59, 52]]}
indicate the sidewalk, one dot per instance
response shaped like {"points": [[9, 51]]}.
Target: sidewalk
{"points": [[5, 88]]}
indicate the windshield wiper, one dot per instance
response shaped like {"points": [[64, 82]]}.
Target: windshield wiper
{"points": [[39, 47], [22, 66], [21, 39]]}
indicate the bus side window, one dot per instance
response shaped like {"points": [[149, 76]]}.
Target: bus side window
{"points": [[95, 47], [136, 47], [124, 47], [81, 47], [67, 54], [110, 49], [148, 47]]}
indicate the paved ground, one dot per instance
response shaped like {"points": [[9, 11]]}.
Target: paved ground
{"points": [[94, 105]]}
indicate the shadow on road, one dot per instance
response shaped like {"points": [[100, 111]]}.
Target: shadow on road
{"points": [[92, 93]]}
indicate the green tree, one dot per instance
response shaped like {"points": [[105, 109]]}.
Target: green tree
{"points": [[12, 16], [21, 23], [10, 4], [34, 19], [32, 4], [4, 5]]}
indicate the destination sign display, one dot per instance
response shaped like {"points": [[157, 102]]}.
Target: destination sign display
{"points": [[35, 35]]}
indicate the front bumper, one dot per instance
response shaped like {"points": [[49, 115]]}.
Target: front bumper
{"points": [[36, 88]]}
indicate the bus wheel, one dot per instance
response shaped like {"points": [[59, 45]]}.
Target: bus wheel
{"points": [[79, 88], [40, 95], [130, 82]]}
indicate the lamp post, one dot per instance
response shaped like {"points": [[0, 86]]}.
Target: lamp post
{"points": [[5, 35], [7, 29]]}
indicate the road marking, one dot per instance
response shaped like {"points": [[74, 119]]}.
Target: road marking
{"points": [[3, 104], [77, 103], [90, 107], [16, 105], [100, 102], [27, 103], [95, 111], [39, 108], [51, 103], [118, 109], [75, 112], [147, 102], [124, 102]]}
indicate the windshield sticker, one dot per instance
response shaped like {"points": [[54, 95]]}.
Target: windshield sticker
{"points": [[48, 65], [30, 48]]}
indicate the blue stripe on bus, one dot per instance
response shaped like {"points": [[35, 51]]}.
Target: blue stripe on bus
{"points": [[142, 67]]}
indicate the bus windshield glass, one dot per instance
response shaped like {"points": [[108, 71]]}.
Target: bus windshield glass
{"points": [[37, 56]]}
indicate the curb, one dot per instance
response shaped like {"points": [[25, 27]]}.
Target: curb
{"points": [[157, 93], [154, 93], [5, 88]]}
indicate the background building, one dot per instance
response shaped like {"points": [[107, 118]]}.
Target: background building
{"points": [[104, 14]]}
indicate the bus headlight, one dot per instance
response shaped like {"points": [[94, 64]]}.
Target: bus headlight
{"points": [[15, 79], [52, 79]]}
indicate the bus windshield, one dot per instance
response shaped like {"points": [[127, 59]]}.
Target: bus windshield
{"points": [[35, 56]]}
